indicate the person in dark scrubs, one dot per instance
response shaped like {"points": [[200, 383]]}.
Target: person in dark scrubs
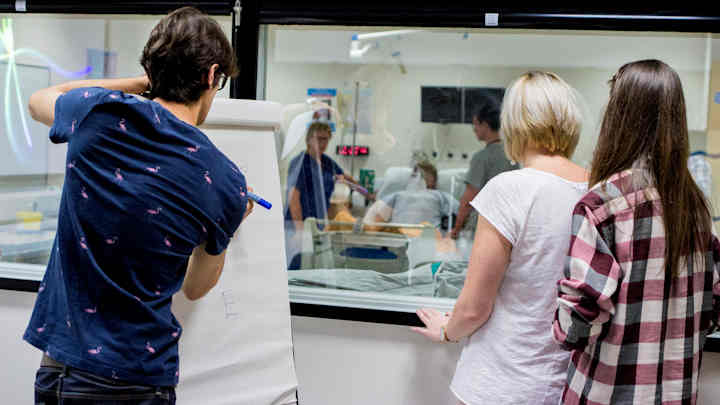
{"points": [[311, 182]]}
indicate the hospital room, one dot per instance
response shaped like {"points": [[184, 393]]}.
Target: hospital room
{"points": [[370, 133], [402, 105]]}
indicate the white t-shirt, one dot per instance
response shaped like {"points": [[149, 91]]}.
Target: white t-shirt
{"points": [[512, 359]]}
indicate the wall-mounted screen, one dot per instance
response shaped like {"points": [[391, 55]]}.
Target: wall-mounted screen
{"points": [[440, 104], [455, 105], [474, 97]]}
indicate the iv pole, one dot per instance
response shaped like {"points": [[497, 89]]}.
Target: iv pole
{"points": [[355, 129]]}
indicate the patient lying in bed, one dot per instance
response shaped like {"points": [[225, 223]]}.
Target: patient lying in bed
{"points": [[413, 207], [419, 203]]}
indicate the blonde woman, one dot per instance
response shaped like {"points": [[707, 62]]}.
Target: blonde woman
{"points": [[518, 254]]}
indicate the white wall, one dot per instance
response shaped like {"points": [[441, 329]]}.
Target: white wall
{"points": [[357, 363], [302, 59], [65, 40], [127, 36], [52, 40], [710, 375], [397, 130], [20, 360], [337, 362]]}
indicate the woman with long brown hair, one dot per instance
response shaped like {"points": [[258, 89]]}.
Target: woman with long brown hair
{"points": [[637, 299]]}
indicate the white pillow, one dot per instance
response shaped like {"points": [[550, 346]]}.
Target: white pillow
{"points": [[395, 179]]}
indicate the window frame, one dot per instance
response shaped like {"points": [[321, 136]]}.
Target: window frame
{"points": [[249, 19]]}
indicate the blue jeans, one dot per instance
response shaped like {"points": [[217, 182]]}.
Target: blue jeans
{"points": [[69, 386]]}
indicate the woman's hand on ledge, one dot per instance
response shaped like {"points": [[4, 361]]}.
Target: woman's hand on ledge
{"points": [[434, 321]]}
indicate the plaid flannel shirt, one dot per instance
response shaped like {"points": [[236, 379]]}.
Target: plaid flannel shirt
{"points": [[636, 335]]}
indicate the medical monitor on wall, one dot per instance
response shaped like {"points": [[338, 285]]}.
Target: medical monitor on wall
{"points": [[455, 105]]}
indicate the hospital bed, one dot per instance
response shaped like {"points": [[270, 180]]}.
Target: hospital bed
{"points": [[335, 244], [396, 178], [443, 279], [328, 244]]}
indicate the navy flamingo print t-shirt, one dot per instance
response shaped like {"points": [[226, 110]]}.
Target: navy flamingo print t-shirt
{"points": [[142, 190]]}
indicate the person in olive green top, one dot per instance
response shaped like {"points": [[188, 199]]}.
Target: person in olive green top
{"points": [[485, 164]]}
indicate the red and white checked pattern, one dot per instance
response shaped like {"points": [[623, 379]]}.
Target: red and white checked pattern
{"points": [[636, 339]]}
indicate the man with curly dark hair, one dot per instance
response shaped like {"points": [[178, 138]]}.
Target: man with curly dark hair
{"points": [[149, 206]]}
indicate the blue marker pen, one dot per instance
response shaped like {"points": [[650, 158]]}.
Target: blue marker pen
{"points": [[259, 200]]}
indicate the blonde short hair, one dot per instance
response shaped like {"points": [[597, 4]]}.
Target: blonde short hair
{"points": [[540, 110]]}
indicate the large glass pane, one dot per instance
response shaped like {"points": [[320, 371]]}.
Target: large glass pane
{"points": [[392, 109], [38, 51]]}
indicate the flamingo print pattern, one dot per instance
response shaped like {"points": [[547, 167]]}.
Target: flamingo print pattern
{"points": [[118, 175], [115, 180]]}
